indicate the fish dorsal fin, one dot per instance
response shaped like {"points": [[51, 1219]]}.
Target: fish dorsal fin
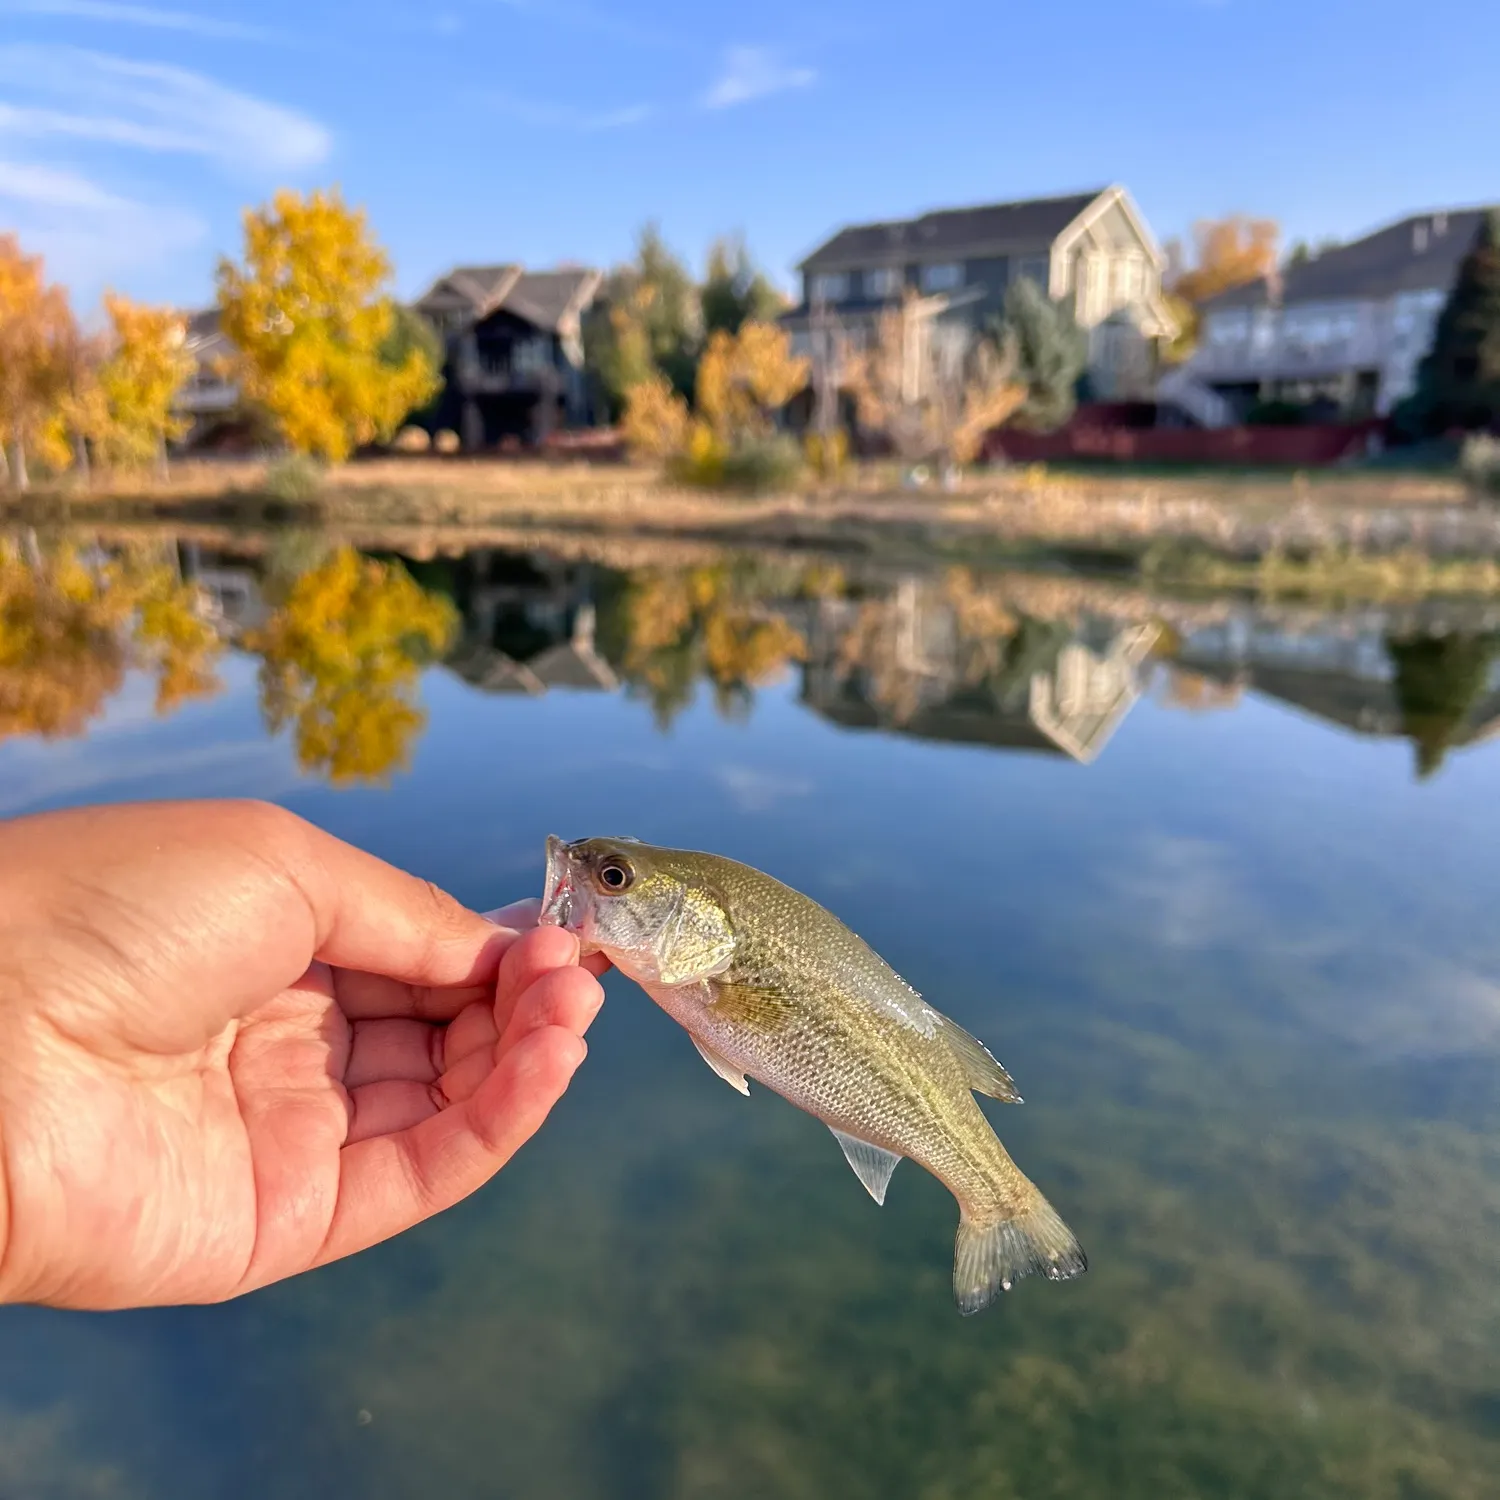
{"points": [[872, 1164], [982, 1073], [733, 1076]]}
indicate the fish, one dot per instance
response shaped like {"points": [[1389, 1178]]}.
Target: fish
{"points": [[771, 986]]}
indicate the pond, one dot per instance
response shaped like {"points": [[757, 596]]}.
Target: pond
{"points": [[1215, 878]]}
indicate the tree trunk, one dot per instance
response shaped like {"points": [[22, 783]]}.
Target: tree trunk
{"points": [[81, 457], [163, 472], [19, 478]]}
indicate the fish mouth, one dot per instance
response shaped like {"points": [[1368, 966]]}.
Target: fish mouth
{"points": [[557, 890]]}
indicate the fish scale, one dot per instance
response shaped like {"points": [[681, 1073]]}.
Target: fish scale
{"points": [[772, 986]]}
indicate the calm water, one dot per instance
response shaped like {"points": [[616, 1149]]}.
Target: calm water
{"points": [[1216, 882]]}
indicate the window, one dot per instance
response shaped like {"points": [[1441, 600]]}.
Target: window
{"points": [[883, 281], [942, 276], [1034, 268], [830, 286], [1228, 328]]}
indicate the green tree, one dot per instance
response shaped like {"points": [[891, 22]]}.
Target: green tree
{"points": [[1048, 353], [736, 290], [1438, 681], [1458, 383], [647, 320]]}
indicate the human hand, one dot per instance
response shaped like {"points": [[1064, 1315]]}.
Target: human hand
{"points": [[233, 1048]]}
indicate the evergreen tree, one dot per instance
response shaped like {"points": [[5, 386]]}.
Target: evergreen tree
{"points": [[735, 290], [1049, 350], [1458, 383]]}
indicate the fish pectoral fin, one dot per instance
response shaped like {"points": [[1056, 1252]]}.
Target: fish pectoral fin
{"points": [[982, 1073], [757, 1007], [872, 1164], [733, 1076]]}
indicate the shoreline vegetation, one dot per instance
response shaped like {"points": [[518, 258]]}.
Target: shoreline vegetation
{"points": [[1358, 535]]}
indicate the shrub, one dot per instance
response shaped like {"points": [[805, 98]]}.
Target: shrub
{"points": [[1479, 463], [295, 478]]}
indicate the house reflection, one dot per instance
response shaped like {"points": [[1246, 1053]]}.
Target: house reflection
{"points": [[528, 625], [1050, 687]]}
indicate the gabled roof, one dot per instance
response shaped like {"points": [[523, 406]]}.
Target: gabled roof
{"points": [[1417, 254], [547, 298], [544, 298], [477, 290], [999, 228]]}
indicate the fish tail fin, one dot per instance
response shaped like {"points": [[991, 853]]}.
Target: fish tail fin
{"points": [[991, 1254]]}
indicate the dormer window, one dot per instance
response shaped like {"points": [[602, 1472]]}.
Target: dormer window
{"points": [[942, 276], [1419, 237]]}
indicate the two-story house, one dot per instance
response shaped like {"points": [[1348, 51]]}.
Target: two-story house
{"points": [[1094, 249], [1346, 329], [514, 351]]}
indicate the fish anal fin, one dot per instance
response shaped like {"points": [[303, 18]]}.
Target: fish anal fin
{"points": [[872, 1164], [733, 1076], [981, 1071]]}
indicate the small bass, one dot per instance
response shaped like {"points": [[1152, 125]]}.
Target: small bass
{"points": [[772, 986]]}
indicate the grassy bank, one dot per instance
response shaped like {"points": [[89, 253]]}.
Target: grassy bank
{"points": [[1344, 533]]}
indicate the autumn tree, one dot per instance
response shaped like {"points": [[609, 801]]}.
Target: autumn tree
{"points": [[73, 621], [933, 389], [40, 355], [1228, 252], [744, 379], [147, 364], [340, 659], [312, 324], [1458, 382], [735, 290]]}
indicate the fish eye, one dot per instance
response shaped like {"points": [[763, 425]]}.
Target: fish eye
{"points": [[615, 875]]}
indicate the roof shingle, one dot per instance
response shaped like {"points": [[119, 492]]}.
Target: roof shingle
{"points": [[1031, 224]]}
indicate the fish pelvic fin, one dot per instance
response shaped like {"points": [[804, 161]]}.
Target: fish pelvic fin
{"points": [[991, 1255], [981, 1071], [733, 1076]]}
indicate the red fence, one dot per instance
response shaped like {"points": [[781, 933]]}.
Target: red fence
{"points": [[1109, 433]]}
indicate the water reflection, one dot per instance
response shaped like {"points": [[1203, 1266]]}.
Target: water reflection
{"points": [[1002, 660]]}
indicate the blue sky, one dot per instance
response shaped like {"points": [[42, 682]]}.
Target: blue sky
{"points": [[542, 130]]}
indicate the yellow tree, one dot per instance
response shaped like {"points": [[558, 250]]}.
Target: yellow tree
{"points": [[339, 664], [744, 378], [147, 364], [72, 622], [40, 355], [314, 328], [1229, 252], [656, 420]]}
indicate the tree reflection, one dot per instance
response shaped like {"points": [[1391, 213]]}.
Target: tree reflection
{"points": [[73, 621], [340, 658], [671, 626], [1439, 681]]}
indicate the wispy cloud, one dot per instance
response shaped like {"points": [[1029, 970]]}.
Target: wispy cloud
{"points": [[89, 235], [566, 117], [71, 93], [140, 15], [753, 73]]}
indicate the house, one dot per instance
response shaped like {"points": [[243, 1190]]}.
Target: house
{"points": [[1094, 249], [210, 396], [514, 351], [1345, 329]]}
